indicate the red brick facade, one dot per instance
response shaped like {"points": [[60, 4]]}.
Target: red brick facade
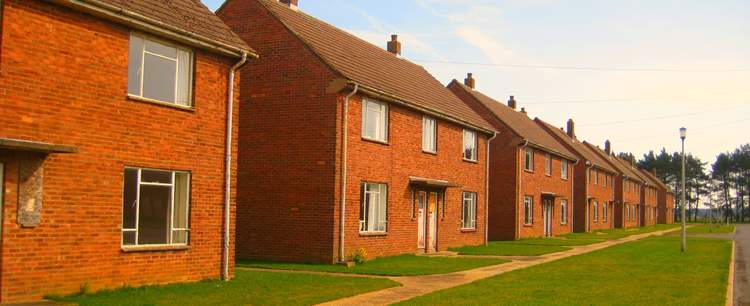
{"points": [[64, 81], [600, 200], [538, 185], [629, 199], [649, 199], [291, 149], [665, 207]]}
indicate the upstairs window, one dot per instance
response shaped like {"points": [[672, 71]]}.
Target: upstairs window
{"points": [[564, 169], [374, 120], [596, 177], [155, 207], [159, 71], [548, 164], [528, 163], [429, 135], [469, 211], [470, 145], [373, 209]]}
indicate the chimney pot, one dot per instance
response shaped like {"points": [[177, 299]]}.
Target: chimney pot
{"points": [[394, 46], [290, 3], [571, 128], [523, 110], [512, 102], [470, 81], [608, 147]]}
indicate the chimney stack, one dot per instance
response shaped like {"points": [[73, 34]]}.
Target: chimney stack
{"points": [[608, 147], [632, 160], [394, 46], [512, 102], [523, 110], [653, 171], [571, 128], [470, 81], [290, 3]]}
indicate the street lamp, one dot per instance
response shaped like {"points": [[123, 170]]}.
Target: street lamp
{"points": [[683, 134]]}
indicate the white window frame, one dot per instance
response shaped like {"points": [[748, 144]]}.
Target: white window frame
{"points": [[596, 211], [171, 211], [548, 164], [475, 141], [381, 129], [528, 210], [596, 177], [469, 198], [528, 159], [144, 52], [605, 212], [379, 222], [429, 134], [564, 169], [563, 212]]}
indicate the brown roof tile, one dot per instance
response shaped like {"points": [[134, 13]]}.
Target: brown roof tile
{"points": [[189, 15], [519, 123], [653, 179], [581, 150], [622, 167], [374, 67]]}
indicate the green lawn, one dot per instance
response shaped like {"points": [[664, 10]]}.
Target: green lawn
{"points": [[619, 232], [510, 248], [248, 288], [711, 229], [651, 271], [401, 265]]}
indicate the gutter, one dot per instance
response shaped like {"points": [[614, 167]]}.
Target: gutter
{"points": [[228, 167], [344, 145], [139, 21], [487, 192]]}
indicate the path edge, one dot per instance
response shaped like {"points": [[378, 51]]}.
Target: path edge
{"points": [[730, 283]]}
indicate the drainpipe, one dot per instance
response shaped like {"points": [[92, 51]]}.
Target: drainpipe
{"points": [[487, 192], [518, 192], [228, 166], [344, 142]]}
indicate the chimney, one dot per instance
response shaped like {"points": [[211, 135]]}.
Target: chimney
{"points": [[608, 147], [632, 160], [290, 3], [470, 81], [523, 110], [512, 102], [571, 128], [653, 171], [394, 46]]}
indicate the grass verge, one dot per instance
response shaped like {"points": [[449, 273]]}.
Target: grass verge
{"points": [[711, 229]]}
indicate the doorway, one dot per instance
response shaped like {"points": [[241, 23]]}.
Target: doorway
{"points": [[427, 213], [548, 210]]}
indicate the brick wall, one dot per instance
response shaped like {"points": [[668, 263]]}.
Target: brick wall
{"points": [[535, 184], [63, 80], [603, 192], [649, 197], [632, 198]]}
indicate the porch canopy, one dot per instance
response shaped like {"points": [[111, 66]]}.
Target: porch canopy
{"points": [[34, 146], [551, 194], [431, 183]]}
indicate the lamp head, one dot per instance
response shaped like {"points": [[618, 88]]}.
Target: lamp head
{"points": [[683, 133]]}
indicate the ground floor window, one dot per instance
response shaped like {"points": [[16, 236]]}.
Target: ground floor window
{"points": [[156, 205], [605, 213], [469, 211], [528, 210], [596, 211], [563, 211], [373, 209]]}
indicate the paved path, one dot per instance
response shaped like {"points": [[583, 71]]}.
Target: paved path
{"points": [[413, 286], [741, 268]]}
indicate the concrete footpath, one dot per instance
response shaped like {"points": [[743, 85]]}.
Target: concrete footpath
{"points": [[741, 260], [413, 286]]}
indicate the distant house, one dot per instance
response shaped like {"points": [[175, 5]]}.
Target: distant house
{"points": [[113, 144], [594, 182], [628, 188], [347, 146], [650, 200], [665, 199], [531, 172]]}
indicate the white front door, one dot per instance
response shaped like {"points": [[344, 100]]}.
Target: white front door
{"points": [[421, 205], [432, 222], [547, 207]]}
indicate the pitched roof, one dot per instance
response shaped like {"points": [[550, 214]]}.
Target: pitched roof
{"points": [[374, 68], [654, 180], [579, 148], [190, 16], [622, 167], [519, 123]]}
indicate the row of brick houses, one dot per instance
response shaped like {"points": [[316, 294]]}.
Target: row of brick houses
{"points": [[148, 141]]}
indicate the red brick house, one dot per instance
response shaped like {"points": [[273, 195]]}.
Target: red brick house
{"points": [[114, 144], [650, 198], [346, 145], [628, 188], [531, 172], [594, 190], [665, 199]]}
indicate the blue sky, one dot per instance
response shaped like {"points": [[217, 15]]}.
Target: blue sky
{"points": [[629, 71]]}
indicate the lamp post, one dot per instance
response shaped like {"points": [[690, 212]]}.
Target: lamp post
{"points": [[683, 134]]}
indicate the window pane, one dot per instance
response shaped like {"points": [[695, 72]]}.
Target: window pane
{"points": [[184, 74], [153, 214], [428, 134], [134, 65], [373, 120], [181, 197], [382, 205], [180, 237], [159, 78], [469, 145], [155, 176], [130, 199], [128, 238], [161, 49]]}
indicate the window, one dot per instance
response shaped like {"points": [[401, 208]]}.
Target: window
{"points": [[605, 213], [564, 169], [374, 120], [155, 207], [548, 164], [469, 211], [429, 135], [528, 210], [470, 145], [596, 211], [529, 159], [372, 212], [563, 211], [606, 180], [159, 71], [596, 177]]}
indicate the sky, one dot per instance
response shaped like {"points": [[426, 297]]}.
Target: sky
{"points": [[633, 72]]}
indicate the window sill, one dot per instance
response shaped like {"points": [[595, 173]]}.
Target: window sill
{"points": [[153, 248], [468, 230], [162, 103], [473, 161], [382, 142], [528, 225], [528, 171], [373, 234], [429, 152]]}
